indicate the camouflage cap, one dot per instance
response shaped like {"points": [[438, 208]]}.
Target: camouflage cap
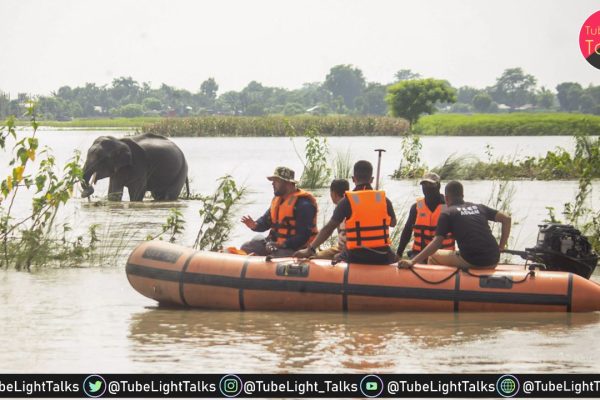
{"points": [[430, 177], [283, 173]]}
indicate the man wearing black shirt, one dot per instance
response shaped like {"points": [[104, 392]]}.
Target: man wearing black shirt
{"points": [[364, 254], [468, 223]]}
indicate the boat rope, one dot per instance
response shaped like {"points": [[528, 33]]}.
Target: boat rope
{"points": [[466, 271], [530, 273], [412, 269]]}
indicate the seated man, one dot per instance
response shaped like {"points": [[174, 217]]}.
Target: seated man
{"points": [[368, 215], [468, 224], [291, 218], [423, 218], [337, 192]]}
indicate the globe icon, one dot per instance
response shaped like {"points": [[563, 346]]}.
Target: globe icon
{"points": [[508, 386]]}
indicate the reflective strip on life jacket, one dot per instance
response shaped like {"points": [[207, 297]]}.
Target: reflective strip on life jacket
{"points": [[369, 223], [283, 222], [425, 226]]}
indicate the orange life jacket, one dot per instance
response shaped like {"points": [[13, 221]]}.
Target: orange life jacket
{"points": [[425, 225], [369, 224], [283, 222]]}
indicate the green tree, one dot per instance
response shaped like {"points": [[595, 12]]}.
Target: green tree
{"points": [[209, 88], [229, 102], [545, 98], [514, 88], [372, 101], [569, 95], [411, 99], [293, 109], [345, 81], [406, 75], [465, 94], [152, 104], [125, 89], [131, 110], [482, 102]]}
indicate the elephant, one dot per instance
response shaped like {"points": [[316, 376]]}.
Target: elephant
{"points": [[140, 163]]}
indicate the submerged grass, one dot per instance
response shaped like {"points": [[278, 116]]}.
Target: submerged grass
{"points": [[279, 126]]}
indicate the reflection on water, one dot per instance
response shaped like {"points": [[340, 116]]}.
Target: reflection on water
{"points": [[399, 342]]}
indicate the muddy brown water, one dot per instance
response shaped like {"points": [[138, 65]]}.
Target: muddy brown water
{"points": [[90, 319]]}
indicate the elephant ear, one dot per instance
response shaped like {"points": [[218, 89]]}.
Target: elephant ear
{"points": [[118, 153], [136, 156]]}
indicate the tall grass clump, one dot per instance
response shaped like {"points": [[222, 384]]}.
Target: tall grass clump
{"points": [[316, 173], [33, 240], [513, 124], [410, 164], [216, 214], [278, 125], [342, 165]]}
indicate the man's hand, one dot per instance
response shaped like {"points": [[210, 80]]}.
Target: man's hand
{"points": [[271, 247], [304, 253], [405, 263], [249, 222]]}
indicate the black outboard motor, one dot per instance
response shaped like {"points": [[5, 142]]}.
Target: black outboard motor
{"points": [[564, 248]]}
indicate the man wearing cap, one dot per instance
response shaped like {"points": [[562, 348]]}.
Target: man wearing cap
{"points": [[292, 219], [423, 218], [468, 223]]}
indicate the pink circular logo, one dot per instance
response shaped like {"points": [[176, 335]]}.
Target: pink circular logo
{"points": [[589, 39]]}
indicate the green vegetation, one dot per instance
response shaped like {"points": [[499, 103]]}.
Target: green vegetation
{"points": [[555, 165], [344, 90], [33, 240], [410, 163], [342, 165], [516, 124], [174, 225], [211, 126], [316, 173], [412, 98], [216, 213], [580, 212], [96, 123]]}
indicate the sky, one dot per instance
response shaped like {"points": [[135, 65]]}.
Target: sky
{"points": [[48, 44]]}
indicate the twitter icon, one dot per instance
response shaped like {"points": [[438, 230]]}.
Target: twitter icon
{"points": [[94, 386]]}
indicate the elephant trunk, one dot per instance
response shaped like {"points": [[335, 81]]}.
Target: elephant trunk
{"points": [[89, 180]]}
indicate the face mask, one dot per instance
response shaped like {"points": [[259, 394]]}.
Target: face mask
{"points": [[430, 192]]}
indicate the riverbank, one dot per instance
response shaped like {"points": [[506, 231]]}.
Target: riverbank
{"points": [[513, 124]]}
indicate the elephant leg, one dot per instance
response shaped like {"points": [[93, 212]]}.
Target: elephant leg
{"points": [[115, 190], [174, 190], [137, 190], [159, 195]]}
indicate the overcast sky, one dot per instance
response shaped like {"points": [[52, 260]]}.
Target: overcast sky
{"points": [[48, 44]]}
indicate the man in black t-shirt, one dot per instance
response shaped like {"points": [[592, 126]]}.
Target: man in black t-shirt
{"points": [[468, 223]]}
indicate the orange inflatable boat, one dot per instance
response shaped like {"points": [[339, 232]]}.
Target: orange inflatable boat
{"points": [[175, 275]]}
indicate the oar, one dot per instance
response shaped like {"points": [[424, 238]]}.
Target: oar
{"points": [[378, 167]]}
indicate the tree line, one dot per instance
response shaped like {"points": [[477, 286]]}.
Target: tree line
{"points": [[344, 91]]}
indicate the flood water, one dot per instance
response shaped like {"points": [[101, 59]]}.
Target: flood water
{"points": [[91, 320]]}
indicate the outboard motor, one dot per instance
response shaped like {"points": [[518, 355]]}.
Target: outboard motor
{"points": [[564, 248]]}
